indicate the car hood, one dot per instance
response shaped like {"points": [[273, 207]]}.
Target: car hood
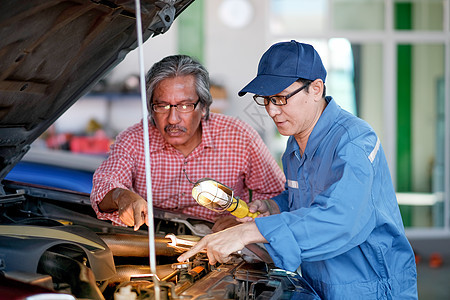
{"points": [[53, 52]]}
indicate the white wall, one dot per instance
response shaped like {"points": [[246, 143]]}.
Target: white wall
{"points": [[232, 57]]}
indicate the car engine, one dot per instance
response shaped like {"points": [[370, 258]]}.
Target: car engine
{"points": [[51, 238]]}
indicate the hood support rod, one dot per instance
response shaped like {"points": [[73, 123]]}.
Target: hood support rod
{"points": [[151, 230]]}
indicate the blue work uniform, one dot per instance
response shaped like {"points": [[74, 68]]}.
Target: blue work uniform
{"points": [[340, 220]]}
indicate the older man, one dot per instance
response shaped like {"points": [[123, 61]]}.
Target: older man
{"points": [[338, 218], [187, 143]]}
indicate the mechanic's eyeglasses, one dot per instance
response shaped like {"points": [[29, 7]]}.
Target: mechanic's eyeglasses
{"points": [[183, 108], [276, 100]]}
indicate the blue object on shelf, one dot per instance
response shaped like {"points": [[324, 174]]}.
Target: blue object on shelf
{"points": [[52, 176]]}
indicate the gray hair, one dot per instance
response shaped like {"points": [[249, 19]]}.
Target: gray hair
{"points": [[180, 65]]}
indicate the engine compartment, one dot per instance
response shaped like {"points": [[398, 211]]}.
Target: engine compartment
{"points": [[51, 238]]}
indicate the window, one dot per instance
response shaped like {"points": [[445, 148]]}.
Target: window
{"points": [[387, 62]]}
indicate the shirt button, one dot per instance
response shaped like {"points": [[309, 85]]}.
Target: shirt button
{"points": [[182, 194]]}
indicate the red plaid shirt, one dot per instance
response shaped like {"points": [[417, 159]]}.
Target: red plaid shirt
{"points": [[230, 152]]}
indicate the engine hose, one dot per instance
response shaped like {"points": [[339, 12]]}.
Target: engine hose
{"points": [[64, 269]]}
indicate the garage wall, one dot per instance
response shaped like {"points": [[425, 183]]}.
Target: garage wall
{"points": [[232, 55]]}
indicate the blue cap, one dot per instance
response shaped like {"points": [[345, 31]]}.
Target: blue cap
{"points": [[282, 65]]}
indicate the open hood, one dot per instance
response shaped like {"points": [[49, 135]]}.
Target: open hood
{"points": [[52, 52]]}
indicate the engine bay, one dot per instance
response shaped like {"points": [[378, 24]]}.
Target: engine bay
{"points": [[51, 238]]}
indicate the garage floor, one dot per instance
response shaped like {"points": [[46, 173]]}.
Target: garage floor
{"points": [[433, 282]]}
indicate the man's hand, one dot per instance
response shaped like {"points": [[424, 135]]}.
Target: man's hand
{"points": [[131, 207], [220, 245]]}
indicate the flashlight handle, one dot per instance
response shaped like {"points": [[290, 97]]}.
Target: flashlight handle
{"points": [[240, 209], [253, 215]]}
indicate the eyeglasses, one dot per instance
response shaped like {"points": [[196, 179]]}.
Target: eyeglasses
{"points": [[276, 100], [183, 108]]}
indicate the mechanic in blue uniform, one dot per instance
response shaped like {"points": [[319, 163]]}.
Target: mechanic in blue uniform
{"points": [[338, 219]]}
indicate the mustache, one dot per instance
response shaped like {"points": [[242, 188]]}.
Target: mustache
{"points": [[175, 127]]}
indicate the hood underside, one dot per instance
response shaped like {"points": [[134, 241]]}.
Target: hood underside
{"points": [[53, 52]]}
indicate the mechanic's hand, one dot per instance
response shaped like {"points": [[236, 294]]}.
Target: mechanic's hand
{"points": [[221, 244], [132, 208], [224, 222], [218, 245]]}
